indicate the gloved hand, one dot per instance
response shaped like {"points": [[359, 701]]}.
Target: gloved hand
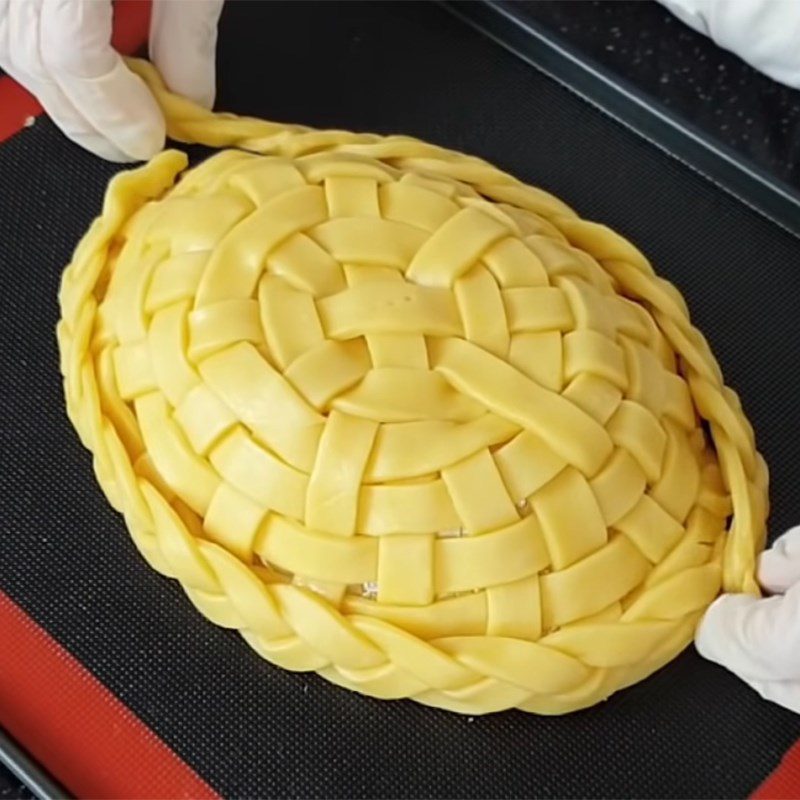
{"points": [[759, 639], [765, 33], [60, 50]]}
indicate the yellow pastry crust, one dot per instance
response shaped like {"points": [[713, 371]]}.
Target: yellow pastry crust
{"points": [[403, 420]]}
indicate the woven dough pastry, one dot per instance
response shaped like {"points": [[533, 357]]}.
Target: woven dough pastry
{"points": [[403, 420]]}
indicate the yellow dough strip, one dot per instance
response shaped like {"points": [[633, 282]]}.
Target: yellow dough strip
{"points": [[389, 307], [412, 449], [264, 401], [332, 497], [235, 266], [504, 390], [397, 394]]}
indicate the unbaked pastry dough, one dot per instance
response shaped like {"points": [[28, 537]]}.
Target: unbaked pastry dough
{"points": [[403, 420]]}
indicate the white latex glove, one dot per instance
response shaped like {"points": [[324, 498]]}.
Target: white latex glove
{"points": [[765, 33], [60, 50], [759, 639]]}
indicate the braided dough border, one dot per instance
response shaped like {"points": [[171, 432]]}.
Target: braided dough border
{"points": [[466, 674]]}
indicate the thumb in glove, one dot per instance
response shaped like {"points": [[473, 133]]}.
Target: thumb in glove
{"points": [[60, 50], [759, 639]]}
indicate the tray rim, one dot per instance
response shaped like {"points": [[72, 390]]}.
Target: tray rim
{"points": [[639, 112], [28, 771]]}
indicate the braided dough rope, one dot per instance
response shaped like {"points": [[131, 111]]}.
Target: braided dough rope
{"points": [[403, 420]]}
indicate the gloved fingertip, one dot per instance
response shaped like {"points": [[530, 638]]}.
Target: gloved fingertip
{"points": [[779, 567], [183, 43], [206, 98], [203, 95], [194, 82], [142, 145], [126, 144], [116, 107], [716, 629], [784, 693], [775, 573], [100, 146]]}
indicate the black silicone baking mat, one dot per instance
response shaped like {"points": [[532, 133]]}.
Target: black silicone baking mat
{"points": [[246, 727]]}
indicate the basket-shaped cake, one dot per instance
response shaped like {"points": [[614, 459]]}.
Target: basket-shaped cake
{"points": [[403, 420]]}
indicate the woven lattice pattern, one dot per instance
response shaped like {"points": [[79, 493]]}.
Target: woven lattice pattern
{"points": [[403, 420]]}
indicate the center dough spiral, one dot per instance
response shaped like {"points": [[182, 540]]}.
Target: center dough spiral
{"points": [[403, 420]]}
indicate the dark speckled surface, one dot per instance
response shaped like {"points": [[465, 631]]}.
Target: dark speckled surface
{"points": [[642, 43], [11, 788]]}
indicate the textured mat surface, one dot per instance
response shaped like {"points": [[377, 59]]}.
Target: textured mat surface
{"points": [[248, 728]]}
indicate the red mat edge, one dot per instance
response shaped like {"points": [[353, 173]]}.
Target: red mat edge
{"points": [[20, 107], [784, 782], [88, 740], [49, 702], [92, 743]]}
